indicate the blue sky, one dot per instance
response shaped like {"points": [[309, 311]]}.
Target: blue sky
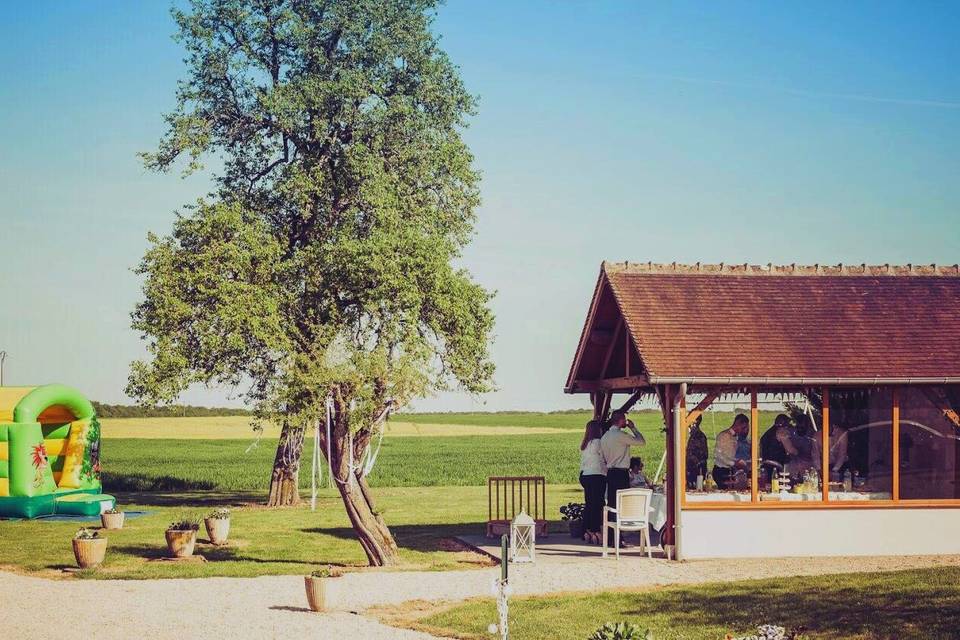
{"points": [[761, 132]]}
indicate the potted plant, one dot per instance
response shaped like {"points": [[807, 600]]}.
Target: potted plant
{"points": [[89, 548], [112, 518], [316, 585], [218, 526], [182, 536], [572, 513]]}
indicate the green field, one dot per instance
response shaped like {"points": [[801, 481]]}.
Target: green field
{"points": [[265, 541], [903, 605]]}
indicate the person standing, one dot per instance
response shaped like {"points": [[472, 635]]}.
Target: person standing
{"points": [[697, 455], [615, 445], [593, 479], [731, 453]]}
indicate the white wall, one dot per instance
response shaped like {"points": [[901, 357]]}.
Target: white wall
{"points": [[819, 532]]}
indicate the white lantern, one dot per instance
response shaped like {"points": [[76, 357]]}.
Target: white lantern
{"points": [[523, 534]]}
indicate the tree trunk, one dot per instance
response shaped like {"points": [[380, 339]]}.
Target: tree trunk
{"points": [[285, 480], [369, 525]]}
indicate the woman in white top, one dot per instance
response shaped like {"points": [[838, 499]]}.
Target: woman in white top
{"points": [[593, 479]]}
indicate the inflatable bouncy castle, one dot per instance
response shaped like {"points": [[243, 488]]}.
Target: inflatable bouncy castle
{"points": [[49, 453]]}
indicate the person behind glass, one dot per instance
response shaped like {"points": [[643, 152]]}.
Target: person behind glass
{"points": [[638, 480], [615, 445], [776, 446], [593, 479], [731, 454], [697, 454]]}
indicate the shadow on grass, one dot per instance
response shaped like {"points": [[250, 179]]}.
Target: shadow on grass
{"points": [[210, 552], [423, 538], [133, 482], [187, 499], [897, 605]]}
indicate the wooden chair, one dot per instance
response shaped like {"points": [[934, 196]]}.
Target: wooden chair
{"points": [[633, 514], [509, 495]]}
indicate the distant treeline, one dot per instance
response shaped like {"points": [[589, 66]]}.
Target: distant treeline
{"points": [[171, 411]]}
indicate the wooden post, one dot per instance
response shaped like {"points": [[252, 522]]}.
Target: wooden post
{"points": [[825, 457], [754, 445], [682, 471], [826, 426], [896, 444], [670, 477]]}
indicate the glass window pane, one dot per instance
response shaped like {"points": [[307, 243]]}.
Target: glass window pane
{"points": [[790, 449], [929, 443], [718, 450], [861, 444]]}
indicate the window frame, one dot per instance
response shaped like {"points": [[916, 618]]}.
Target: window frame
{"points": [[825, 502]]}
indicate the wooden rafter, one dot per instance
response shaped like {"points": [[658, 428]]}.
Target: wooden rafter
{"points": [[611, 347], [697, 411], [941, 404]]}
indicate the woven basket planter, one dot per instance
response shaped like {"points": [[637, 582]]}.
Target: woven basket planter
{"points": [[89, 553], [180, 543], [112, 520], [316, 592], [217, 529]]}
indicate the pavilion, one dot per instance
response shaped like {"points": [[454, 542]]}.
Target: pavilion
{"points": [[868, 360]]}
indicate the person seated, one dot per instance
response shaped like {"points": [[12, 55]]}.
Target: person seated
{"points": [[697, 454], [731, 454], [637, 477], [803, 448], [775, 446]]}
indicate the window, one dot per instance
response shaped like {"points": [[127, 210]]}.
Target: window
{"points": [[929, 443], [861, 444], [790, 447], [718, 449]]}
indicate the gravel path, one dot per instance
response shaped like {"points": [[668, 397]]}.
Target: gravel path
{"points": [[274, 606]]}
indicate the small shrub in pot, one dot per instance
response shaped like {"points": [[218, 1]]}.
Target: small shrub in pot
{"points": [[181, 536], [112, 519], [316, 586], [621, 631], [89, 548], [572, 514], [218, 526]]}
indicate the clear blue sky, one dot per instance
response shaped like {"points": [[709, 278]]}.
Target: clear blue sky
{"points": [[761, 132]]}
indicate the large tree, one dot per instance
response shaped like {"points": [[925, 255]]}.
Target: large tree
{"points": [[323, 264]]}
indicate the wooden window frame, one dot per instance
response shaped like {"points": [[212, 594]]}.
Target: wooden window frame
{"points": [[825, 502]]}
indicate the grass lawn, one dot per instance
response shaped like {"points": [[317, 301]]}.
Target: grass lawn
{"points": [[902, 605], [266, 541]]}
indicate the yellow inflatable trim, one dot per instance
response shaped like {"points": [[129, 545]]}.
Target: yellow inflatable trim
{"points": [[73, 461], [10, 397], [4, 487], [55, 447], [4, 451]]}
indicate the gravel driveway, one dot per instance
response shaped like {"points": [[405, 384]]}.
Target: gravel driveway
{"points": [[274, 606]]}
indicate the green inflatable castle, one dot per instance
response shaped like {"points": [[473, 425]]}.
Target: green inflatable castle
{"points": [[49, 453]]}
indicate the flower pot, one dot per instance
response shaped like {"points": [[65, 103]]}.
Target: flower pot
{"points": [[90, 552], [180, 543], [316, 592], [217, 529], [576, 528], [112, 520]]}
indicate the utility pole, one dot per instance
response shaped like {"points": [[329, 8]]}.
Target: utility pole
{"points": [[3, 356]]}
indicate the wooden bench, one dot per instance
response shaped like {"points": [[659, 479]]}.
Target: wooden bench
{"points": [[507, 496]]}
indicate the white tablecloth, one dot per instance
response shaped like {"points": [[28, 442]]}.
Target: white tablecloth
{"points": [[658, 510]]}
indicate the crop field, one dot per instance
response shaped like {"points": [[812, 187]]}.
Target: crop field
{"points": [[224, 454]]}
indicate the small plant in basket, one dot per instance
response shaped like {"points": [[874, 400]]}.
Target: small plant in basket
{"points": [[112, 518], [89, 548], [621, 631], [316, 586], [181, 536], [217, 524]]}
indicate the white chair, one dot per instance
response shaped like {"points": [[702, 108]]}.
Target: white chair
{"points": [[633, 514]]}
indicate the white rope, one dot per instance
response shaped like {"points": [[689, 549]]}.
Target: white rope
{"points": [[372, 458], [315, 471]]}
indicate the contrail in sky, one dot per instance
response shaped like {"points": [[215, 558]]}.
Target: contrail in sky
{"points": [[936, 104]]}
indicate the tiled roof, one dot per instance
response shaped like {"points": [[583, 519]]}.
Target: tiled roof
{"points": [[782, 322]]}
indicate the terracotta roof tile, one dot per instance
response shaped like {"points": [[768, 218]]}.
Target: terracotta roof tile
{"points": [[747, 321]]}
